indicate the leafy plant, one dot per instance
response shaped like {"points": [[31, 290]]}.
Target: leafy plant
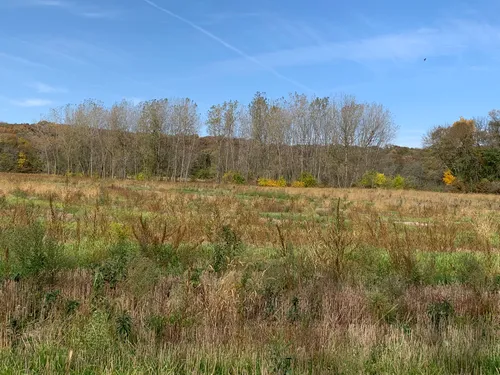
{"points": [[124, 326], [380, 180], [233, 178], [267, 182], [33, 253], [298, 184], [448, 178], [307, 180], [440, 312], [398, 182], [227, 247]]}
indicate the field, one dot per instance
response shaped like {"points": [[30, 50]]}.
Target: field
{"points": [[128, 277]]}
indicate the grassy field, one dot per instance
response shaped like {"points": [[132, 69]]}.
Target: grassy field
{"points": [[127, 277]]}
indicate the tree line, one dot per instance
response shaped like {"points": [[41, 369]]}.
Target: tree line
{"points": [[336, 140]]}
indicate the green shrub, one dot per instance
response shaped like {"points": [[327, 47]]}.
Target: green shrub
{"points": [[308, 180], [439, 313], [71, 306], [143, 176], [373, 179], [233, 178], [114, 269], [204, 174], [228, 246], [124, 326], [32, 252], [368, 179], [398, 182]]}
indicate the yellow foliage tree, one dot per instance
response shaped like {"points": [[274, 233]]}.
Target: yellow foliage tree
{"points": [[448, 177], [21, 161]]}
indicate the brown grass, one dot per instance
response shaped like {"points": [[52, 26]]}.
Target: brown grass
{"points": [[304, 286]]}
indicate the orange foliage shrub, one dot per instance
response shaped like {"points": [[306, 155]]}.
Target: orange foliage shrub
{"points": [[448, 178]]}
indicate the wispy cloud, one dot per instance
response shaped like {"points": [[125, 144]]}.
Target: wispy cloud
{"points": [[211, 19], [99, 14], [73, 50], [450, 39], [73, 7], [51, 3], [21, 60], [44, 88], [31, 103], [245, 56]]}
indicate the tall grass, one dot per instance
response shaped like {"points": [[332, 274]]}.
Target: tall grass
{"points": [[161, 278]]}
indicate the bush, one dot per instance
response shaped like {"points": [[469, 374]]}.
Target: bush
{"points": [[32, 253], [380, 180], [368, 180], [233, 178], [114, 269], [306, 180], [448, 178], [204, 174], [298, 184], [484, 186], [458, 186], [440, 312], [373, 179], [398, 182], [142, 176], [226, 248], [267, 182]]}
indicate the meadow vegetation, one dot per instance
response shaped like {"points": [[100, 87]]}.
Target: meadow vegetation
{"points": [[142, 277]]}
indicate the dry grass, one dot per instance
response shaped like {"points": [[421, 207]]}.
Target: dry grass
{"points": [[220, 279]]}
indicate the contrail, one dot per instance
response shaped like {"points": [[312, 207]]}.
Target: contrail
{"points": [[228, 46]]}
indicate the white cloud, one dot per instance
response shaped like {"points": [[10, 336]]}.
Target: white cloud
{"points": [[450, 39], [44, 88], [31, 103]]}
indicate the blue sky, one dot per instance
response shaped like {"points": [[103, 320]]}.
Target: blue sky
{"points": [[54, 52]]}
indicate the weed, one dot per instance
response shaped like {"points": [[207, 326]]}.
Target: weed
{"points": [[33, 254], [124, 326], [440, 312], [71, 307], [228, 246]]}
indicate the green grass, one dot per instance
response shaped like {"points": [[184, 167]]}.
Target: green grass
{"points": [[281, 195]]}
